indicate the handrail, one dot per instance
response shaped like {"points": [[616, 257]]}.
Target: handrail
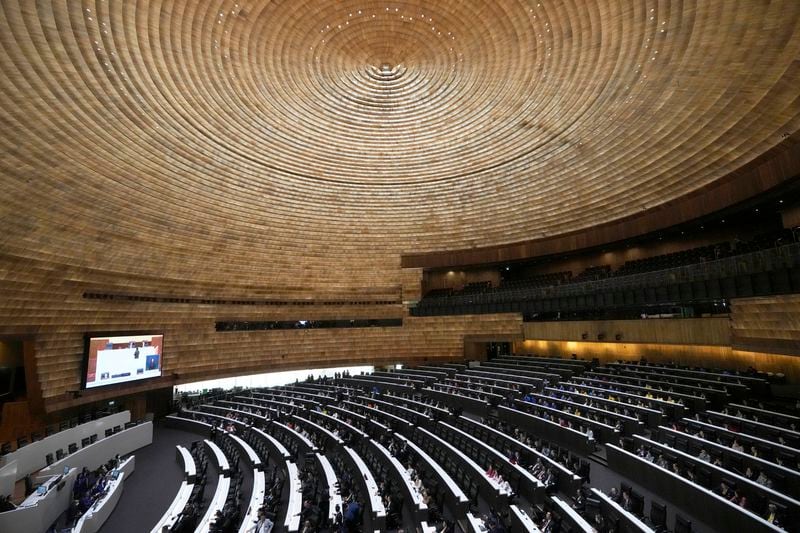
{"points": [[749, 263]]}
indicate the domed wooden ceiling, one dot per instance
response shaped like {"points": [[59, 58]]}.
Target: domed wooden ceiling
{"points": [[309, 143]]}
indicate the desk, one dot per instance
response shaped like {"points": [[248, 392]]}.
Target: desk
{"points": [[252, 456], [747, 487], [31, 458], [424, 406], [473, 405], [559, 372], [567, 480], [523, 387], [39, 517], [275, 443], [742, 437], [480, 382], [368, 481], [237, 403], [577, 522], [173, 512], [717, 512], [369, 384], [331, 481], [188, 424], [605, 431], [492, 491], [293, 509], [455, 495], [222, 461], [399, 375], [522, 521], [510, 369], [529, 486], [297, 436], [711, 395], [217, 503], [189, 467], [342, 411], [565, 437], [411, 491], [413, 416], [775, 416], [382, 429], [434, 369], [652, 416], [93, 519], [756, 428], [385, 414], [344, 424], [45, 487], [673, 409], [475, 524], [256, 499], [98, 453], [320, 429], [631, 522], [773, 470]]}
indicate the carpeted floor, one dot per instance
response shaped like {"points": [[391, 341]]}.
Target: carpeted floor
{"points": [[149, 491]]}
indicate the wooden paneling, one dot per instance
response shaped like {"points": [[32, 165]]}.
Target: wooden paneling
{"points": [[39, 302], [295, 150], [456, 279], [692, 355], [705, 331], [710, 342], [263, 143], [768, 324], [791, 217], [411, 283], [782, 164]]}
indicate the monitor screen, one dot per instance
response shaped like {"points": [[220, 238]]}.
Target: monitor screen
{"points": [[122, 358]]}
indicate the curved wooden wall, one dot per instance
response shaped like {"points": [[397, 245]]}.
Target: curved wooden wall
{"points": [[46, 303], [297, 149]]}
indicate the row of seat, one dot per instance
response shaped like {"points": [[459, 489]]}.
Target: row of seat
{"points": [[51, 429], [409, 405]]}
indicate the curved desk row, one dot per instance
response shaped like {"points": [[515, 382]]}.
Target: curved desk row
{"points": [[368, 483], [332, 482], [173, 512], [217, 504], [93, 519], [717, 512]]}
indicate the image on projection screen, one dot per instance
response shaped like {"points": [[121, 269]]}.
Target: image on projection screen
{"points": [[120, 359]]}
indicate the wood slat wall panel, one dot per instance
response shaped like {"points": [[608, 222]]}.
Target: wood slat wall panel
{"points": [[57, 316], [769, 324], [701, 331]]}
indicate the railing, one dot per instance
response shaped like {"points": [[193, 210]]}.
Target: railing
{"points": [[786, 256]]}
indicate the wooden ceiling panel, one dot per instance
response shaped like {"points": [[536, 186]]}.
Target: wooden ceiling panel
{"points": [[311, 143]]}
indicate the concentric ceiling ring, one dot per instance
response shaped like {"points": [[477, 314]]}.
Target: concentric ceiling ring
{"points": [[241, 137]]}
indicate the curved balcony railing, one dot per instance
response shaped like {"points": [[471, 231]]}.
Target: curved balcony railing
{"points": [[786, 256]]}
